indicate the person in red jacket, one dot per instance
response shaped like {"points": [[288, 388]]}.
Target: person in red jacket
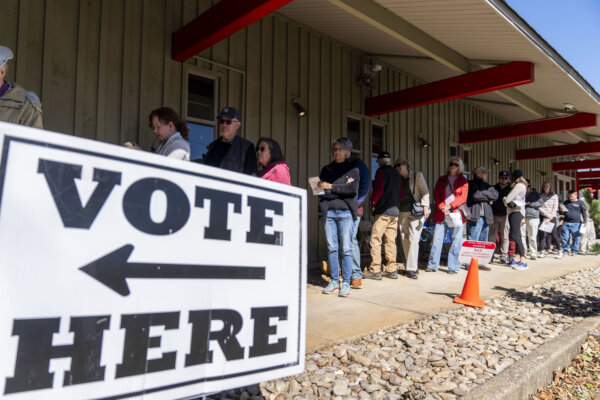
{"points": [[450, 193]]}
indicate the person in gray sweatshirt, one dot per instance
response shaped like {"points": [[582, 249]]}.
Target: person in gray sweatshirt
{"points": [[529, 230]]}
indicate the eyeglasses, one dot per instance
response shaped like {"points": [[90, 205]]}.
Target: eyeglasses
{"points": [[226, 121], [453, 165], [336, 149], [261, 148]]}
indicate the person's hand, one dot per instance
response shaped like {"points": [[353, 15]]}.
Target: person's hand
{"points": [[350, 180], [132, 145], [547, 220], [446, 208], [324, 185], [426, 212], [446, 212]]}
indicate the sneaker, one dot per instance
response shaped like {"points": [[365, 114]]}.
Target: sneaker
{"points": [[520, 266], [570, 253], [344, 290], [356, 284], [392, 275], [533, 256], [452, 271], [560, 255], [502, 260], [543, 254], [430, 270], [331, 288], [484, 268], [372, 275], [412, 274], [511, 263]]}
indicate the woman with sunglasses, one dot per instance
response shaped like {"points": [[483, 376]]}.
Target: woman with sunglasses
{"points": [[337, 212], [515, 208], [272, 162], [449, 194]]}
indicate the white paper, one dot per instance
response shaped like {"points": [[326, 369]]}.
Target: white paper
{"points": [[582, 228], [313, 182], [453, 220], [547, 226]]}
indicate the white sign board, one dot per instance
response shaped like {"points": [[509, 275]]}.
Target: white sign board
{"points": [[483, 251], [126, 274]]}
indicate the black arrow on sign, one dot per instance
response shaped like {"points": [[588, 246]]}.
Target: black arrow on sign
{"points": [[113, 269]]}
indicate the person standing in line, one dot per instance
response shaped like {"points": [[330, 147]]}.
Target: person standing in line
{"points": [[364, 186], [450, 193], [588, 237], [548, 213], [529, 230], [500, 225], [272, 161], [515, 202], [414, 190], [231, 151], [481, 195], [17, 105], [337, 211], [574, 212], [387, 191]]}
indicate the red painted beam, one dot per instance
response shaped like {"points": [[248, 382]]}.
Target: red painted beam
{"points": [[558, 151], [487, 80], [588, 174], [219, 22], [574, 165], [529, 128]]}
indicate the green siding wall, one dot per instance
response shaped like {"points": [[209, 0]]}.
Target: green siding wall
{"points": [[100, 66]]}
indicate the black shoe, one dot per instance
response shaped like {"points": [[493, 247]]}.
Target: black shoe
{"points": [[430, 270], [412, 274], [372, 275], [502, 260], [392, 275], [484, 268], [451, 271]]}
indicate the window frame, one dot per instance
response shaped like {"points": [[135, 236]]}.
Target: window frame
{"points": [[193, 70], [361, 121]]}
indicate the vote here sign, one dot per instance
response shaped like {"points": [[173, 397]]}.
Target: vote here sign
{"points": [[127, 274]]}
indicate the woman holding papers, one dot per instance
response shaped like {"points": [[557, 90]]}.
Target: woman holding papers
{"points": [[515, 208], [548, 222]]}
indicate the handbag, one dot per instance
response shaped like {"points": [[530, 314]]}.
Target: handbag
{"points": [[463, 208], [417, 210]]}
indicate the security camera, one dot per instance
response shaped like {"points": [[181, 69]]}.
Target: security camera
{"points": [[568, 107]]}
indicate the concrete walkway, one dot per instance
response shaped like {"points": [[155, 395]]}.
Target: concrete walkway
{"points": [[384, 303]]}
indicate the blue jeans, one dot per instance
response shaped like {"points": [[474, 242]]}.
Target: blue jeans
{"points": [[356, 269], [478, 230], [338, 225], [573, 229], [438, 241]]}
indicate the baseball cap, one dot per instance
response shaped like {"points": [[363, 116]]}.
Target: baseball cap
{"points": [[230, 113], [383, 154], [503, 174], [5, 55]]}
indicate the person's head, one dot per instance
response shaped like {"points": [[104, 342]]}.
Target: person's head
{"points": [[165, 123], [480, 172], [455, 166], [383, 158], [268, 151], [402, 166], [503, 178], [5, 55], [547, 188], [342, 148], [573, 195], [517, 177], [230, 121]]}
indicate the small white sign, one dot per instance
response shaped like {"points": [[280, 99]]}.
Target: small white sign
{"points": [[483, 251], [128, 274]]}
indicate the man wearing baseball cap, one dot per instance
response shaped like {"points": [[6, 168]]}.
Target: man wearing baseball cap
{"points": [[230, 151], [500, 225], [17, 105]]}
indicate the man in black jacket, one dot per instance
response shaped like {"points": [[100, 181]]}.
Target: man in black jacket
{"points": [[230, 151], [500, 225], [387, 191], [574, 212]]}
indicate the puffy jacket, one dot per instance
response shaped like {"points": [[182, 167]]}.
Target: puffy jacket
{"points": [[549, 208], [461, 189], [22, 107], [480, 195]]}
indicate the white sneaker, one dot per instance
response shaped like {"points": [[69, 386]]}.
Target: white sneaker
{"points": [[542, 254], [560, 255], [533, 256]]}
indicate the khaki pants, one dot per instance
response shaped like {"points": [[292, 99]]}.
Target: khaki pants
{"points": [[587, 238], [387, 227], [409, 228], [533, 225], [500, 226]]}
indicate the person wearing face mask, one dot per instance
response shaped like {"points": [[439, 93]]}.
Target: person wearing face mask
{"points": [[272, 162]]}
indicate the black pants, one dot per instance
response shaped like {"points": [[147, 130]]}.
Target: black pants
{"points": [[549, 237], [514, 220]]}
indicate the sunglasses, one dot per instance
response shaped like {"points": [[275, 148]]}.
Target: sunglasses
{"points": [[226, 121], [261, 148], [453, 165]]}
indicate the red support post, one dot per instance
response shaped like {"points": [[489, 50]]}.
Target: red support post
{"points": [[529, 128], [575, 165], [558, 151], [219, 22], [487, 80]]}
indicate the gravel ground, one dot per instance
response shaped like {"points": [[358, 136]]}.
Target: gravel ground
{"points": [[580, 380], [442, 356]]}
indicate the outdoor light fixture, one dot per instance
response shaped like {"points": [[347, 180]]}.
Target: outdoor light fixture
{"points": [[301, 111], [496, 161], [542, 173], [423, 143]]}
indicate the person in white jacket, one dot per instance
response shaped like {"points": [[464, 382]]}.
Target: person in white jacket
{"points": [[515, 205]]}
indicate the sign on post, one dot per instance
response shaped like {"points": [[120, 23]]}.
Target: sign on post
{"points": [[483, 251], [127, 274]]}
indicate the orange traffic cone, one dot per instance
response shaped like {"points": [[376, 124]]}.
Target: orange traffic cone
{"points": [[470, 293]]}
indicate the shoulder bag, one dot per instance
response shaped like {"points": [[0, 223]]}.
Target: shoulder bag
{"points": [[463, 208]]}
